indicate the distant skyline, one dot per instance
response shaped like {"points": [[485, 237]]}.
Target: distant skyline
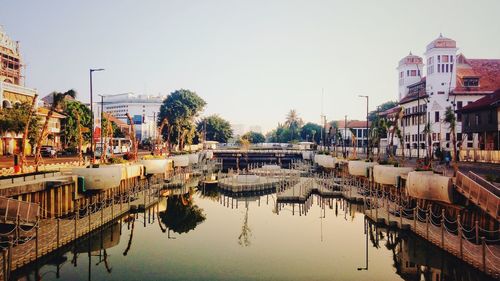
{"points": [[252, 61]]}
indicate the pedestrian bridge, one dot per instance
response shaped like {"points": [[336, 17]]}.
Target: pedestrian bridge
{"points": [[480, 192]]}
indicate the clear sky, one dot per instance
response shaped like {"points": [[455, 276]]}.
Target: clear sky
{"points": [[252, 61]]}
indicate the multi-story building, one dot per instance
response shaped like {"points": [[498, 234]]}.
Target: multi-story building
{"points": [[143, 109], [451, 80], [11, 92], [354, 130]]}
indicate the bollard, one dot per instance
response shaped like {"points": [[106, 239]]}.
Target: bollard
{"points": [[58, 231]]}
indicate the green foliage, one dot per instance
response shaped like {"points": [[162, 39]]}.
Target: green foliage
{"points": [[311, 132], [449, 118], [69, 132], [381, 108], [14, 120], [254, 137], [216, 128], [180, 108], [117, 133]]}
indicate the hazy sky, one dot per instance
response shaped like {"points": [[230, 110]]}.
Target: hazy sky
{"points": [[252, 61]]}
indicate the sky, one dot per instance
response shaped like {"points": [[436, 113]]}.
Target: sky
{"points": [[251, 61]]}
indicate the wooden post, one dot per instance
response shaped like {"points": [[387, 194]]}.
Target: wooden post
{"points": [[427, 213], [401, 217], [477, 232], [18, 227], [4, 264], [102, 214], [415, 210], [483, 242], [442, 230], [77, 214], [36, 241], [459, 227], [58, 231], [88, 213], [11, 242]]}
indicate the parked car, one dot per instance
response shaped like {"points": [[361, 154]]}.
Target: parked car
{"points": [[48, 151]]}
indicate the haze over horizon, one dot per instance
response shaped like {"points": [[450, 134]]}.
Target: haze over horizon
{"points": [[251, 61]]}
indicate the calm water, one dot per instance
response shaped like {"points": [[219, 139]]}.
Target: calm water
{"points": [[207, 236]]}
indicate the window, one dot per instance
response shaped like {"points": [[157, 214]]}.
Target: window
{"points": [[439, 67], [471, 82], [459, 136], [440, 93], [407, 73], [439, 58], [467, 120], [413, 73], [478, 119], [446, 68], [447, 136], [418, 72], [436, 116], [490, 117], [444, 58], [451, 67]]}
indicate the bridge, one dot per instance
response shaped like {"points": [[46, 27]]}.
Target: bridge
{"points": [[480, 192]]}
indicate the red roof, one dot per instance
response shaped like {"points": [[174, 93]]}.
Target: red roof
{"points": [[487, 70], [413, 96], [353, 124], [492, 100]]}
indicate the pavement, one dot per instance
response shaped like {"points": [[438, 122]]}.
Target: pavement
{"points": [[8, 161]]}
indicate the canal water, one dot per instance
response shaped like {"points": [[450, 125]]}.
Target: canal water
{"points": [[200, 234]]}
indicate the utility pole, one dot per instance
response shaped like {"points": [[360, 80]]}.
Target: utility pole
{"points": [[345, 137], [367, 129], [92, 115]]}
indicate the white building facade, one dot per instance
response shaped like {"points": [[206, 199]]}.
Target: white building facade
{"points": [[451, 80], [143, 109]]}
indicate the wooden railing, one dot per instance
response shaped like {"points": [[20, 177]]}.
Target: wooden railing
{"points": [[15, 211], [479, 191]]}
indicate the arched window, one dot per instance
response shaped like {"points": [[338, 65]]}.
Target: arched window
{"points": [[6, 104]]}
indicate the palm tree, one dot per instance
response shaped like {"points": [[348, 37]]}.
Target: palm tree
{"points": [[293, 121], [26, 131], [450, 119], [57, 104]]}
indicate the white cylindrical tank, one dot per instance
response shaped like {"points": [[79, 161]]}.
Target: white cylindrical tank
{"points": [[360, 168], [388, 174], [429, 186]]}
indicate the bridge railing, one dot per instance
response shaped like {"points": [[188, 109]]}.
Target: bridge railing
{"points": [[11, 210], [480, 191]]}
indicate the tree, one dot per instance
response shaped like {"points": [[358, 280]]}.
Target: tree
{"points": [[215, 128], [180, 108], [254, 137], [294, 123], [450, 119], [381, 108], [57, 104], [15, 120], [69, 134], [311, 132]]}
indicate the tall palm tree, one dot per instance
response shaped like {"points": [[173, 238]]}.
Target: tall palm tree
{"points": [[26, 131], [450, 119], [293, 121], [57, 104]]}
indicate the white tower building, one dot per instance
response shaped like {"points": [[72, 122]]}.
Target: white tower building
{"points": [[410, 70], [441, 80]]}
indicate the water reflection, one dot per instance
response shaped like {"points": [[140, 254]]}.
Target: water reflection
{"points": [[181, 214], [247, 238]]}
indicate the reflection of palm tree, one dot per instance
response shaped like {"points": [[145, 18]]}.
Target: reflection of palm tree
{"points": [[209, 191], [181, 216], [246, 232], [129, 245]]}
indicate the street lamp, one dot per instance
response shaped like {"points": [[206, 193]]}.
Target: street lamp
{"points": [[345, 137], [92, 114], [367, 128]]}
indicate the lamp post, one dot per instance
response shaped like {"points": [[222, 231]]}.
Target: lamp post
{"points": [[345, 136], [102, 124], [92, 114], [367, 128]]}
